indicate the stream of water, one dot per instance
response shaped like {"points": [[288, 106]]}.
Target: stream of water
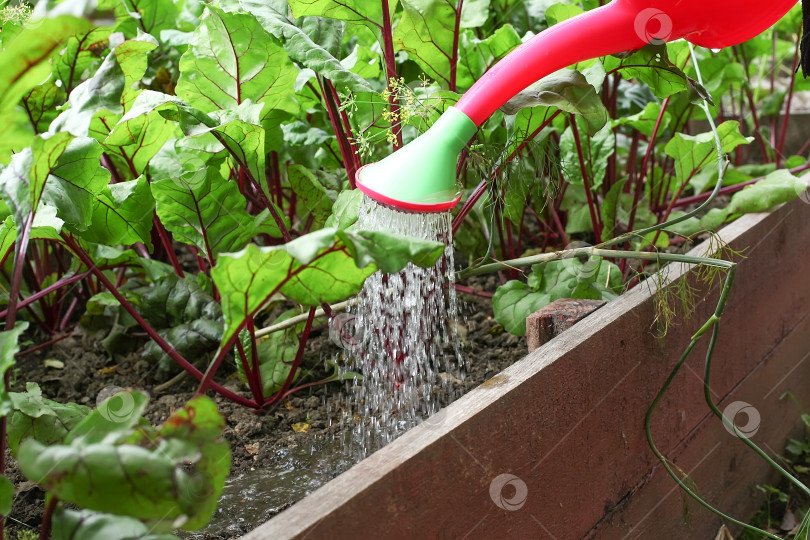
{"points": [[251, 498], [401, 337]]}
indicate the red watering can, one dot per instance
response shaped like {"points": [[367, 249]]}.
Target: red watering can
{"points": [[421, 177]]}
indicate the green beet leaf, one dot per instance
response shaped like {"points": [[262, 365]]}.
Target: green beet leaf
{"points": [[651, 65], [136, 138], [306, 44], [348, 10], [54, 176], [168, 478], [200, 425], [476, 55], [151, 16], [645, 120], [203, 209], [184, 314], [76, 181], [693, 152], [87, 525], [6, 495], [122, 214], [98, 95], [174, 300], [238, 130], [45, 226], [596, 152], [192, 340], [592, 278], [42, 103], [390, 252], [316, 198], [776, 188], [133, 57], [568, 91], [513, 302], [474, 13], [589, 278], [23, 181], [328, 265], [79, 55], [116, 479], [9, 346], [230, 59], [44, 420], [346, 209], [427, 33], [25, 61], [113, 419]]}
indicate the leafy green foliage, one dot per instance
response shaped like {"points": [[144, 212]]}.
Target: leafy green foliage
{"points": [[208, 213], [69, 524], [44, 420], [275, 354], [776, 188], [592, 278], [6, 495], [426, 33], [568, 91], [350, 10], [24, 62], [9, 346], [692, 153], [167, 478], [306, 40], [184, 314], [327, 266], [232, 59]]}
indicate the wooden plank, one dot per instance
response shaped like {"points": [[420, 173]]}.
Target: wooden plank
{"points": [[567, 422]]}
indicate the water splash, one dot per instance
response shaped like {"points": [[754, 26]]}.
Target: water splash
{"points": [[402, 340]]}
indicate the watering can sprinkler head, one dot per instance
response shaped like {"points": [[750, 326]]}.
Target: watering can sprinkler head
{"points": [[421, 176]]}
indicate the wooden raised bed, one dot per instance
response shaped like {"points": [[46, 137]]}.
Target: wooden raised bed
{"points": [[568, 421]]}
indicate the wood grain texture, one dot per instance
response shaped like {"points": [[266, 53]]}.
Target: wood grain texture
{"points": [[555, 318], [568, 421]]}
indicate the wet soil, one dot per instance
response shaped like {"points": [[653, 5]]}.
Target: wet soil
{"points": [[273, 464]]}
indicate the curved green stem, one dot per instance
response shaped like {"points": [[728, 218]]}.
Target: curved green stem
{"points": [[713, 322], [717, 412], [590, 251]]}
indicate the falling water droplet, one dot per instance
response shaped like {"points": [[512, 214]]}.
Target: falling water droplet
{"points": [[402, 341], [716, 50]]}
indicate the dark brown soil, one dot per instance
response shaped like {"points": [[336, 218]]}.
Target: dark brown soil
{"points": [[258, 441]]}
